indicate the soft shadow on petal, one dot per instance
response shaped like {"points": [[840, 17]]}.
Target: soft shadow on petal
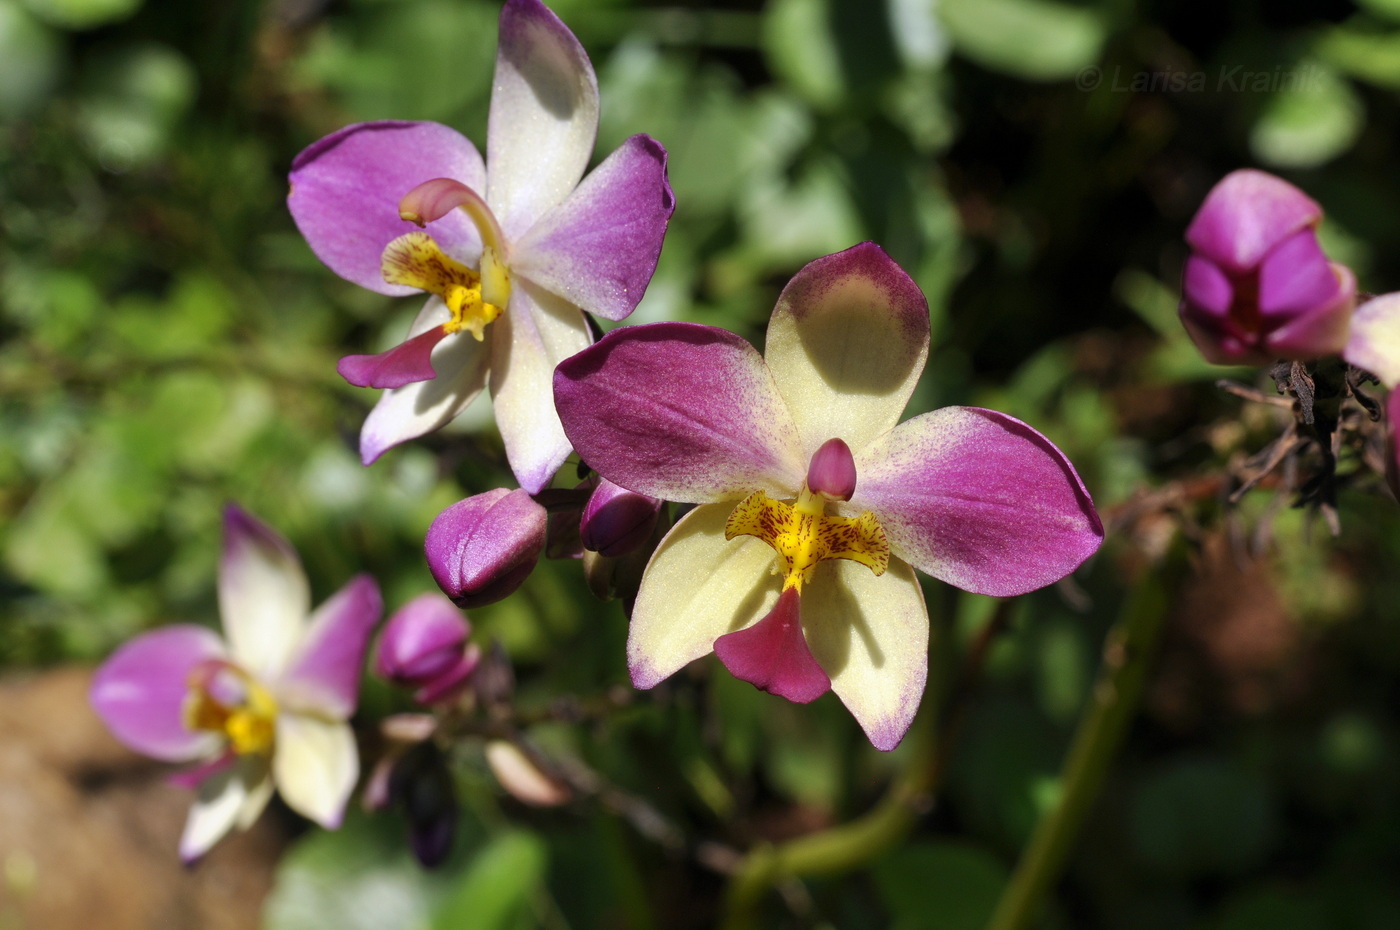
{"points": [[697, 587], [846, 345], [681, 412], [870, 634], [415, 409], [263, 595], [324, 675], [539, 332], [232, 796], [315, 767], [140, 692], [598, 249], [544, 115], [345, 192], [978, 499]]}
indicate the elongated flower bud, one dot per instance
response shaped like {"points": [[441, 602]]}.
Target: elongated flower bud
{"points": [[424, 646], [482, 548], [616, 521]]}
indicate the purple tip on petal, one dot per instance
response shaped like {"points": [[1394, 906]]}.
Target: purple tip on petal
{"points": [[406, 363], [616, 521], [482, 548], [773, 656], [832, 472]]}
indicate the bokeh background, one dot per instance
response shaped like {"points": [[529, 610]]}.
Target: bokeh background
{"points": [[168, 343]]}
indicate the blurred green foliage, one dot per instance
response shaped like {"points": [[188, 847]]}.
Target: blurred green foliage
{"points": [[167, 343]]}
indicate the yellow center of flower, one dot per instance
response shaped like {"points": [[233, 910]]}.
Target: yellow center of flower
{"points": [[803, 534], [226, 700], [414, 260]]}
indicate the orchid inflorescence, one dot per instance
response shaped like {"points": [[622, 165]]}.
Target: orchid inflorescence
{"points": [[813, 503]]}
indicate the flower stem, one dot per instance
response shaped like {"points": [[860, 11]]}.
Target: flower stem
{"points": [[910, 796], [1128, 652]]}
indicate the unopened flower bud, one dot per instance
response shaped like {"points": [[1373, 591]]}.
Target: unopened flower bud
{"points": [[482, 548], [424, 646], [523, 778], [616, 521], [423, 782], [1257, 286], [832, 471]]}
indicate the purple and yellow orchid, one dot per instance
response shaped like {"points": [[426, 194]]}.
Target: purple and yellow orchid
{"points": [[267, 707], [815, 502], [1374, 344], [518, 244]]}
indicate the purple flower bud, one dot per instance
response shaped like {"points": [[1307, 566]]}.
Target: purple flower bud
{"points": [[1257, 286], [832, 471], [481, 549], [616, 521], [424, 647]]}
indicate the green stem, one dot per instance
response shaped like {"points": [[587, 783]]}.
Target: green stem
{"points": [[854, 844], [1128, 652]]}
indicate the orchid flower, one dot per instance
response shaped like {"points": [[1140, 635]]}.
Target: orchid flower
{"points": [[266, 707], [510, 254], [1258, 286], [1374, 345], [814, 500]]}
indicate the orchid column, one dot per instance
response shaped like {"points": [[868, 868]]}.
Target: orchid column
{"points": [[513, 251]]}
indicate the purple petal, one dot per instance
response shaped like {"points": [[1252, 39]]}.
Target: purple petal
{"points": [[539, 332], [451, 681], [482, 548], [773, 656], [324, 677], [263, 597], [406, 363], [598, 249], [423, 639], [1392, 442], [140, 691], [1323, 329], [615, 521], [544, 115], [345, 192], [979, 500], [681, 412], [846, 345], [410, 411], [1206, 289], [1294, 278], [1246, 215]]}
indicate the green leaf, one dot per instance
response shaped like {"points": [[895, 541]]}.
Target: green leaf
{"points": [[940, 886], [30, 60], [1034, 39], [1309, 121], [82, 14], [499, 886]]}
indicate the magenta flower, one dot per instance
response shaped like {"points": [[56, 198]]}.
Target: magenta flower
{"points": [[520, 248], [1375, 346], [1257, 286], [424, 647], [815, 501], [267, 707]]}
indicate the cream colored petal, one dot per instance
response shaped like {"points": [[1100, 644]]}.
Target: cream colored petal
{"points": [[846, 345], [697, 587], [870, 634], [263, 594], [232, 796], [315, 766], [539, 332], [1375, 339]]}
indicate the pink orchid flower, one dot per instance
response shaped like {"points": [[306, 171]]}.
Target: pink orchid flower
{"points": [[512, 251], [1374, 345], [265, 708], [815, 502]]}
